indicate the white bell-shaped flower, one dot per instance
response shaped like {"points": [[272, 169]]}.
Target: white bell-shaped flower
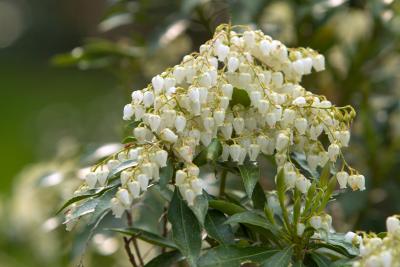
{"points": [[168, 135], [143, 180], [234, 151], [227, 90], [158, 84], [342, 178], [318, 62], [124, 196], [134, 189], [128, 112], [233, 64]]}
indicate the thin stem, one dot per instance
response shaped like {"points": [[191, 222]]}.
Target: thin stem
{"points": [[223, 182], [138, 254], [129, 252], [165, 229]]}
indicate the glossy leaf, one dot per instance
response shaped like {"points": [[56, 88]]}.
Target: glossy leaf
{"points": [[250, 217], [200, 208], [225, 206], [258, 197], [210, 153], [146, 236], [250, 173], [185, 228], [240, 96], [233, 256], [217, 229], [165, 260], [123, 166], [280, 259], [320, 260]]}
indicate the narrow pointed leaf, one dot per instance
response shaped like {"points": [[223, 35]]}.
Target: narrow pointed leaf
{"points": [[233, 256], [200, 208], [225, 206], [249, 217], [280, 259], [165, 260], [320, 260], [259, 198], [250, 173], [147, 236], [185, 229], [217, 229]]}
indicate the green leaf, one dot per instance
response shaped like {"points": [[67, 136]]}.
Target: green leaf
{"points": [[166, 174], [144, 235], [250, 217], [336, 242], [325, 174], [185, 228], [250, 173], [123, 166], [280, 259], [129, 139], [165, 260], [240, 96], [300, 160], [210, 153], [234, 256], [103, 205], [217, 229], [200, 208], [225, 206], [258, 197], [320, 260], [93, 193]]}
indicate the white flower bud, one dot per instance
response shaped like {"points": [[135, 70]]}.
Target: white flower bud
{"points": [[225, 152], [208, 124], [263, 106], [249, 38], [227, 90], [318, 62], [255, 97], [316, 222], [278, 112], [315, 131], [224, 102], [238, 125], [254, 151], [137, 97], [161, 157], [265, 47], [307, 64], [277, 79], [205, 80], [117, 208], [234, 151], [298, 67], [124, 196], [102, 176], [147, 169], [203, 93], [350, 237], [222, 52], [392, 224], [290, 179], [180, 123], [169, 82], [148, 99], [128, 112], [270, 118], [186, 152], [299, 101], [282, 142], [125, 176], [197, 186], [219, 117], [344, 138], [154, 122], [91, 180], [333, 152], [139, 113], [194, 94], [156, 172], [190, 196], [342, 178], [140, 133], [300, 229], [386, 258], [134, 189], [301, 125], [372, 261], [288, 116], [179, 74], [360, 182], [302, 184], [158, 84], [112, 164], [180, 177], [233, 64], [193, 170], [143, 180], [313, 161], [168, 135]]}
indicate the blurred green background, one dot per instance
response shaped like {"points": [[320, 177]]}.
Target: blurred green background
{"points": [[57, 108]]}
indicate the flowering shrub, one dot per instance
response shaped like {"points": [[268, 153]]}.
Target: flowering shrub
{"points": [[227, 110]]}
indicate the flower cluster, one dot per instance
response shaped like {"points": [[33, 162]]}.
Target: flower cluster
{"points": [[376, 251], [243, 89]]}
